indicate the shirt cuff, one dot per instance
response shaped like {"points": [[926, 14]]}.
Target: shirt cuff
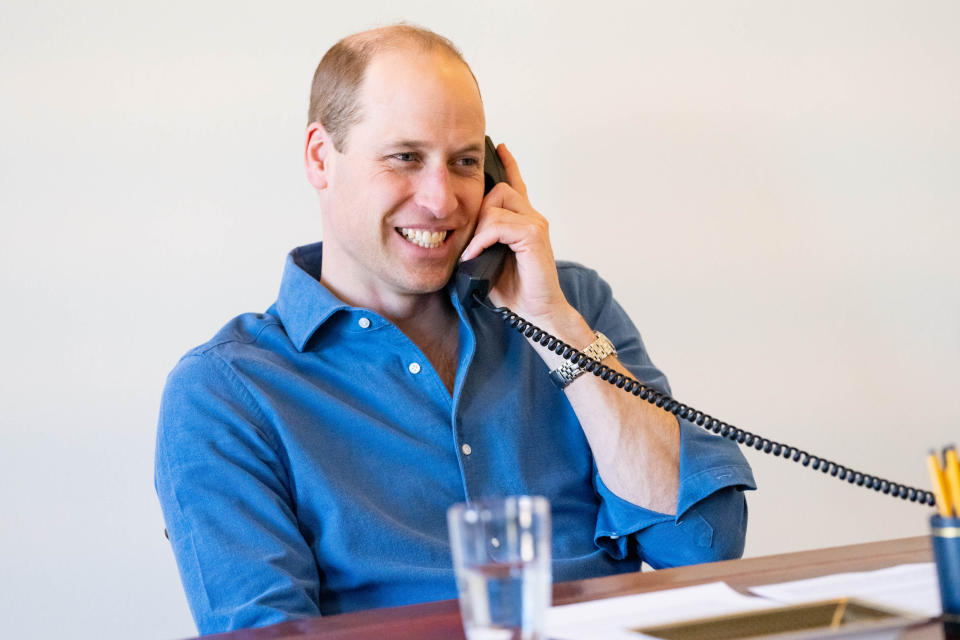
{"points": [[708, 464]]}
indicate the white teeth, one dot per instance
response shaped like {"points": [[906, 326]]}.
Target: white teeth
{"points": [[425, 239]]}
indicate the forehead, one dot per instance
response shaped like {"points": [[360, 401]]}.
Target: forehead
{"points": [[408, 92]]}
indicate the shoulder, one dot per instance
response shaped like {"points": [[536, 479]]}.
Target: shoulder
{"points": [[245, 329], [575, 272], [245, 337], [582, 286], [211, 389]]}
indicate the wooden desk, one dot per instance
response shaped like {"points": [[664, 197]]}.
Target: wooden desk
{"points": [[441, 620]]}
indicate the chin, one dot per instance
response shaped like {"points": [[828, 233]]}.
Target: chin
{"points": [[426, 287], [425, 283]]}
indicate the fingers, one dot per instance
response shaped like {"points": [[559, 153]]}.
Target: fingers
{"points": [[485, 235], [477, 244], [505, 196], [506, 215], [503, 225], [514, 179]]}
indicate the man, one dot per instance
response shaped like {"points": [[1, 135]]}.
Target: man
{"points": [[306, 456]]}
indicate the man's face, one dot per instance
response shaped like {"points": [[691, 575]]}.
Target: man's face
{"points": [[402, 200]]}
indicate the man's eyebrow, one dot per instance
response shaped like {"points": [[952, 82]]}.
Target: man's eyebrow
{"points": [[407, 144], [419, 145], [476, 146]]}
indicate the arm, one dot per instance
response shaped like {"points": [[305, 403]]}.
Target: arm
{"points": [[227, 505], [652, 470], [710, 519], [636, 448], [636, 445]]}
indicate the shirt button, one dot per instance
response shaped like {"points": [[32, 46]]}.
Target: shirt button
{"points": [[467, 449], [414, 367], [364, 323]]}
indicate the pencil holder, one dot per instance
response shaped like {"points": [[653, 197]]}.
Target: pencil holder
{"points": [[945, 534]]}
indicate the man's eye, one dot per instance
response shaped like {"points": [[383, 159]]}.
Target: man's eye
{"points": [[468, 162], [405, 156]]}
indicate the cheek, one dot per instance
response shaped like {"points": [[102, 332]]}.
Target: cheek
{"points": [[471, 194], [366, 198], [388, 190]]}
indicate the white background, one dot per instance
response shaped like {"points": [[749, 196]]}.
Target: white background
{"points": [[771, 188]]}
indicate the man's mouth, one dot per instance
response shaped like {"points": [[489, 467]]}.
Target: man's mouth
{"points": [[422, 237]]}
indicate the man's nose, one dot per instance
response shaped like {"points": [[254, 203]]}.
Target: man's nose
{"points": [[435, 191]]}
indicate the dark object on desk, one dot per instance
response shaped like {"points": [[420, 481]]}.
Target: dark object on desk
{"points": [[951, 630], [945, 537], [830, 619]]}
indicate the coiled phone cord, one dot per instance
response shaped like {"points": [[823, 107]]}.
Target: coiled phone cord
{"points": [[704, 420]]}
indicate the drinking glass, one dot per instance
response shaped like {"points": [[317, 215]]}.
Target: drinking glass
{"points": [[501, 557]]}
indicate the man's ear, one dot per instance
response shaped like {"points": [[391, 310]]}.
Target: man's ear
{"points": [[318, 149]]}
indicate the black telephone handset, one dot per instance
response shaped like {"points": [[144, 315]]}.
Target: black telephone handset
{"points": [[472, 280], [473, 277]]}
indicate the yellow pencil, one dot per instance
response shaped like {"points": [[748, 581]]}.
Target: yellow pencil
{"points": [[939, 486], [952, 476]]}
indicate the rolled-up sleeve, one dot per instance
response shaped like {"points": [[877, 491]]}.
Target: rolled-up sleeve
{"points": [[711, 518]]}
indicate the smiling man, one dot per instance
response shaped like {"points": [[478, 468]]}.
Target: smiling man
{"points": [[306, 456]]}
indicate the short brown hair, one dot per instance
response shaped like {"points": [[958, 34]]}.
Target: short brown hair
{"points": [[337, 80]]}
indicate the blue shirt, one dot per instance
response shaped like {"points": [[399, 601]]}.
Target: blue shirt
{"points": [[306, 457]]}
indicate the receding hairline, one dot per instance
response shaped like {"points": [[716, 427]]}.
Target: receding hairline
{"points": [[397, 37], [341, 74]]}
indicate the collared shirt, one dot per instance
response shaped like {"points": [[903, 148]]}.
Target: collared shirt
{"points": [[306, 457]]}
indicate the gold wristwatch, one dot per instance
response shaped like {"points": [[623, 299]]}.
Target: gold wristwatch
{"points": [[597, 350]]}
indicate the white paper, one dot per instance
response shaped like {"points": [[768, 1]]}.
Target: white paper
{"points": [[611, 618], [907, 587]]}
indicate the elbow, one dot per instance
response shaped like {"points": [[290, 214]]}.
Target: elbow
{"points": [[712, 530], [728, 517]]}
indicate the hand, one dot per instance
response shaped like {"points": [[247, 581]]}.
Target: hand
{"points": [[529, 283]]}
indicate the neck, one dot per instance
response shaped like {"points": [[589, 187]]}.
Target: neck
{"points": [[401, 309], [428, 320], [428, 317]]}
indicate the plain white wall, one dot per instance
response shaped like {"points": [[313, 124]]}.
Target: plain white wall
{"points": [[771, 188]]}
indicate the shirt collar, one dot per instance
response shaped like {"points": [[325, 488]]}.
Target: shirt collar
{"points": [[304, 303]]}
